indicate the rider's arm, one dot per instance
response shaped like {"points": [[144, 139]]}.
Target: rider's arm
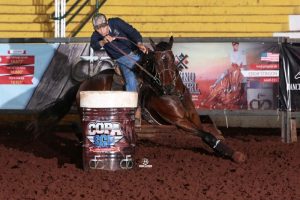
{"points": [[131, 33], [129, 30], [97, 41]]}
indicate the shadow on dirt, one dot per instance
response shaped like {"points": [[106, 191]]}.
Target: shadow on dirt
{"points": [[61, 144]]}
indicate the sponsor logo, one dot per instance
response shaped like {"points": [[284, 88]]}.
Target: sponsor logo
{"points": [[104, 134], [293, 86], [181, 61], [145, 163], [98, 162], [126, 163], [260, 73], [297, 76]]}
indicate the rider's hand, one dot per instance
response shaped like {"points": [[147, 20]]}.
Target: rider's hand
{"points": [[106, 40], [109, 38], [142, 47]]}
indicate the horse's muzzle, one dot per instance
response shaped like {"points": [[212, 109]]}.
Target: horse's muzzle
{"points": [[168, 89]]}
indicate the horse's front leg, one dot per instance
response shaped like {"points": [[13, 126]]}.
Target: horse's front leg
{"points": [[195, 118], [172, 110]]}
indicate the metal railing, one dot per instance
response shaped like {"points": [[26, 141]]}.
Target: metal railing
{"points": [[60, 15]]}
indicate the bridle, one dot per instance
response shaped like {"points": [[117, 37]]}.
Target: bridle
{"points": [[167, 89]]}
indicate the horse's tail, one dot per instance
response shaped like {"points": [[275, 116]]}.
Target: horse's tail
{"points": [[49, 117]]}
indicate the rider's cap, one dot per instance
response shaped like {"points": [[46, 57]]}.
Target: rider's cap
{"points": [[235, 42], [99, 20]]}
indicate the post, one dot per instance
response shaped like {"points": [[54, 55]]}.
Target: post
{"points": [[288, 127], [60, 20], [293, 129], [56, 32], [63, 20]]}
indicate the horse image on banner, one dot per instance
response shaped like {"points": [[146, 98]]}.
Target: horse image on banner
{"points": [[228, 91]]}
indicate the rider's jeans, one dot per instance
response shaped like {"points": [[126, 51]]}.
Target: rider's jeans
{"points": [[126, 64]]}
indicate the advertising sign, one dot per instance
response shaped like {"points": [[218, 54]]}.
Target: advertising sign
{"points": [[16, 69], [290, 77], [230, 75], [21, 69]]}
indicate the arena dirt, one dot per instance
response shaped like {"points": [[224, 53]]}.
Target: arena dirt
{"points": [[182, 168]]}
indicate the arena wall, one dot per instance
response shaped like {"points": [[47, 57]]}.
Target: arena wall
{"points": [[155, 18]]}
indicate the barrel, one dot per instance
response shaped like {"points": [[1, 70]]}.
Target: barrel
{"points": [[108, 119]]}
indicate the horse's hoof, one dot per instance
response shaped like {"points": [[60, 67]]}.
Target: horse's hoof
{"points": [[238, 157]]}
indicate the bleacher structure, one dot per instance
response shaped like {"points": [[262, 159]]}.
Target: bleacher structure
{"points": [[153, 18]]}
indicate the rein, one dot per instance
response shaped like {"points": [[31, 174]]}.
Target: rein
{"points": [[156, 80]]}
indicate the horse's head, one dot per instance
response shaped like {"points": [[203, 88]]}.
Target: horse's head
{"points": [[164, 65]]}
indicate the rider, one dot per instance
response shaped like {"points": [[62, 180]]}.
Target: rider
{"points": [[121, 42], [237, 59]]}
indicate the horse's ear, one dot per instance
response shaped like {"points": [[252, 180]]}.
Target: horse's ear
{"points": [[171, 41], [152, 43]]}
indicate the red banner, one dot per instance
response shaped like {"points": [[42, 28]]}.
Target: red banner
{"points": [[17, 60], [269, 80], [16, 79], [264, 66], [15, 70]]}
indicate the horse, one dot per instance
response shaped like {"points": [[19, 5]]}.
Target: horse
{"points": [[164, 99]]}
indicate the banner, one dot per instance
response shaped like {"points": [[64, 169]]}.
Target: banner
{"points": [[225, 75], [14, 67], [230, 75], [289, 86], [21, 69]]}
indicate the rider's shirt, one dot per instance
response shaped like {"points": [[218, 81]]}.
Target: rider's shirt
{"points": [[238, 57], [118, 28]]}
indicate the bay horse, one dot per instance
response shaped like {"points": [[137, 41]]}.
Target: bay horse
{"points": [[166, 100]]}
